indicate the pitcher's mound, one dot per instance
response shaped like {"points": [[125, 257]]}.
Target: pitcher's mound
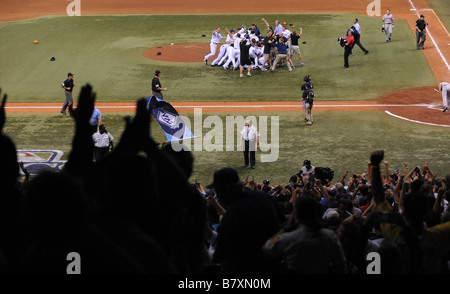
{"points": [[193, 52]]}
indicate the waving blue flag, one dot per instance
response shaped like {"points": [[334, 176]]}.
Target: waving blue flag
{"points": [[173, 126]]}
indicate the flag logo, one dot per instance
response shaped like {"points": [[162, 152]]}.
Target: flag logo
{"points": [[168, 118]]}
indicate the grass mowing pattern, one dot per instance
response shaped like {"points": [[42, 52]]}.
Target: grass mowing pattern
{"points": [[338, 140], [107, 51]]}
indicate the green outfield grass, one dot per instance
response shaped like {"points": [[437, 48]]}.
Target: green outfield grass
{"points": [[442, 9], [341, 141], [107, 51]]}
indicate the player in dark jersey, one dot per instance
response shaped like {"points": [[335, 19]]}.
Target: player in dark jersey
{"points": [[245, 57]]}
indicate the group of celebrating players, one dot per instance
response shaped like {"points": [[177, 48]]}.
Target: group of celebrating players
{"points": [[248, 49]]}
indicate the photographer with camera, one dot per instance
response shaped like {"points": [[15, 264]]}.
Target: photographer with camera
{"points": [[308, 101]]}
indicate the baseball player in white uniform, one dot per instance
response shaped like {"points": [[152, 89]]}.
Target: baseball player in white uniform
{"points": [[215, 39], [445, 89], [256, 54], [388, 25], [222, 53], [234, 52], [223, 49]]}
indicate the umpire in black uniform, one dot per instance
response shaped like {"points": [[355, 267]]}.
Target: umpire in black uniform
{"points": [[156, 86], [68, 85], [421, 35]]}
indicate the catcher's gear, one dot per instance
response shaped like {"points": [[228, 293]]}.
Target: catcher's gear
{"points": [[382, 29]]}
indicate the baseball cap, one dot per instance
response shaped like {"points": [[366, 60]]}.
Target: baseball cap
{"points": [[70, 74], [306, 161], [224, 177], [157, 72], [232, 31], [422, 16]]}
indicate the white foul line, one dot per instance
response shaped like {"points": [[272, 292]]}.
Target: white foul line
{"points": [[236, 106], [416, 121], [432, 39]]}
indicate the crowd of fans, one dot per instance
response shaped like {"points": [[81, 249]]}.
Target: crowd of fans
{"points": [[135, 211]]}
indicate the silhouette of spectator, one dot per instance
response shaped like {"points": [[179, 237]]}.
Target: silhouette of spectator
{"points": [[12, 241], [251, 218], [309, 248], [136, 212]]}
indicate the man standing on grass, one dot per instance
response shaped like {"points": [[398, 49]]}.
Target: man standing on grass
{"points": [[68, 85], [250, 136], [295, 49], [348, 44], [357, 36], [156, 86], [388, 25], [245, 57], [282, 55], [103, 142], [308, 99]]}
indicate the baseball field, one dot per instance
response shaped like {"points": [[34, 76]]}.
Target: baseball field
{"points": [[387, 99]]}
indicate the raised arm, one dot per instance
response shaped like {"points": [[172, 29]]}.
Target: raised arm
{"points": [[2, 111], [386, 172], [323, 190], [267, 24], [409, 175], [438, 201], [229, 33], [342, 180], [427, 172], [406, 167], [377, 185], [369, 171], [81, 156]]}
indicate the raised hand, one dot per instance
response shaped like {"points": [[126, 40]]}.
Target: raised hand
{"points": [[85, 106], [376, 157], [2, 111]]}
